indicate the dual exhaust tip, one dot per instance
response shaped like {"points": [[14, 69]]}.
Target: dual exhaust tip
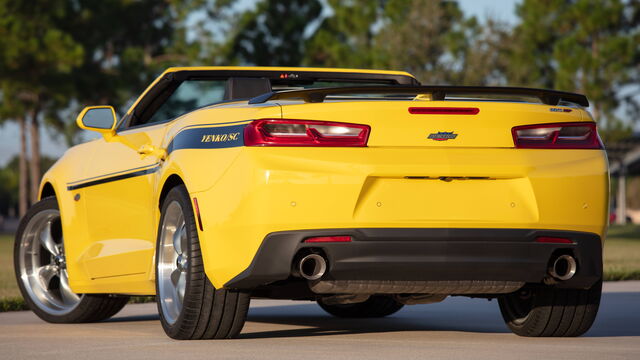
{"points": [[311, 267], [563, 268], [314, 266]]}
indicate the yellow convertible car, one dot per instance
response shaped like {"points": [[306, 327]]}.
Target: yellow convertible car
{"points": [[362, 190]]}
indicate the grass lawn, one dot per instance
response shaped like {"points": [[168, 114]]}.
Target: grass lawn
{"points": [[621, 262], [622, 253], [8, 287]]}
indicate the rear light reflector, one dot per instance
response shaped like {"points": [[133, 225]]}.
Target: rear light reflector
{"points": [[197, 208], [553, 240], [444, 110], [581, 135], [326, 239], [285, 132]]}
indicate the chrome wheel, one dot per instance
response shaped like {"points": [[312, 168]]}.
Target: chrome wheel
{"points": [[190, 307], [42, 265], [173, 262]]}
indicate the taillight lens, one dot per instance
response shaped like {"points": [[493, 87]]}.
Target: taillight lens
{"points": [[285, 132], [581, 135]]}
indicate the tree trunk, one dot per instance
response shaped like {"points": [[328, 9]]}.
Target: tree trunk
{"points": [[595, 112], [23, 202], [35, 156]]}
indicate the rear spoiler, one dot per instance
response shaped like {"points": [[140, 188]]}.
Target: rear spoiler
{"points": [[549, 97]]}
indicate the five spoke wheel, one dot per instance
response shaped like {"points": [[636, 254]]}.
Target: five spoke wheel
{"points": [[190, 306], [173, 262], [42, 264]]}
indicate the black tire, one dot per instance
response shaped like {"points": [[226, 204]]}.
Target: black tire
{"points": [[206, 313], [91, 307], [376, 306], [544, 311]]}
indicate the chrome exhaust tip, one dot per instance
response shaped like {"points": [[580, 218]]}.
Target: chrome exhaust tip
{"points": [[312, 267], [563, 268]]}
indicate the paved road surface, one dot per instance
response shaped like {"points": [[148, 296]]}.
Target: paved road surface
{"points": [[458, 328]]}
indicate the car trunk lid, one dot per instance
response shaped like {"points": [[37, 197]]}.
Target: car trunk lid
{"points": [[459, 124]]}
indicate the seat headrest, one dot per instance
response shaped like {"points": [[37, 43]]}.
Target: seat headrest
{"points": [[245, 88]]}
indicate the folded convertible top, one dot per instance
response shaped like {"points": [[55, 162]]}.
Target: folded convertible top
{"points": [[549, 97]]}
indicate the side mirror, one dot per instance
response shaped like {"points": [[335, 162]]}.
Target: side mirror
{"points": [[98, 118]]}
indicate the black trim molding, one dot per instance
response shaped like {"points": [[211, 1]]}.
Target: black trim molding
{"points": [[103, 180], [426, 254]]}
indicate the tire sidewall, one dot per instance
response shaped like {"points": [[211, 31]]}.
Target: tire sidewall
{"points": [[546, 317], [49, 203], [179, 194]]}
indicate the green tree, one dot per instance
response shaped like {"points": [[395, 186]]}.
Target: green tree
{"points": [[125, 45], [531, 54], [272, 34], [436, 42], [8, 190], [59, 55], [9, 183], [346, 38], [599, 55], [431, 39], [33, 53], [588, 46]]}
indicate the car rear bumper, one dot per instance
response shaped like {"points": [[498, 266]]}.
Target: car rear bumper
{"points": [[269, 190], [427, 254]]}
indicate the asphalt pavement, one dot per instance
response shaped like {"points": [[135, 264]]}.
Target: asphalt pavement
{"points": [[458, 328]]}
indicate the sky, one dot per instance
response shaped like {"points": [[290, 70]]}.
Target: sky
{"points": [[55, 147]]}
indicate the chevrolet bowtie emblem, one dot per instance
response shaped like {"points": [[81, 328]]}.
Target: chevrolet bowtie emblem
{"points": [[442, 136]]}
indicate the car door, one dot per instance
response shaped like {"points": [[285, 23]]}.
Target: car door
{"points": [[119, 203], [119, 193]]}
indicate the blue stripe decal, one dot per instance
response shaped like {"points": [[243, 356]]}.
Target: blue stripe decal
{"points": [[208, 138], [216, 124], [211, 137]]}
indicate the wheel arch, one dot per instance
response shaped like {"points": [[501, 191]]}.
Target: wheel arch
{"points": [[172, 181], [47, 191]]}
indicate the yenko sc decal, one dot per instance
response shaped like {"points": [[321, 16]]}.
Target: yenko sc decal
{"points": [[208, 138], [559, 110], [442, 136]]}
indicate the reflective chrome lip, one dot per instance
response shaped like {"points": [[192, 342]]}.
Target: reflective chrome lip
{"points": [[173, 262], [42, 265]]}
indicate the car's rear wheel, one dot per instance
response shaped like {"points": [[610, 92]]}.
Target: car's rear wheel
{"points": [[544, 311], [41, 271], [189, 306], [375, 306]]}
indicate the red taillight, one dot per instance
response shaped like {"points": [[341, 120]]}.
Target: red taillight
{"points": [[582, 135], [326, 239], [553, 240], [285, 132], [444, 110]]}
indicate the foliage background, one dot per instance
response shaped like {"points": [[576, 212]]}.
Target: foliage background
{"points": [[57, 56]]}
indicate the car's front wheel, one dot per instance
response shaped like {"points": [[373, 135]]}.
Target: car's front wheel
{"points": [[189, 306], [41, 271], [544, 311]]}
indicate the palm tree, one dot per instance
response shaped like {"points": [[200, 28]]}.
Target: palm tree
{"points": [[14, 111]]}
